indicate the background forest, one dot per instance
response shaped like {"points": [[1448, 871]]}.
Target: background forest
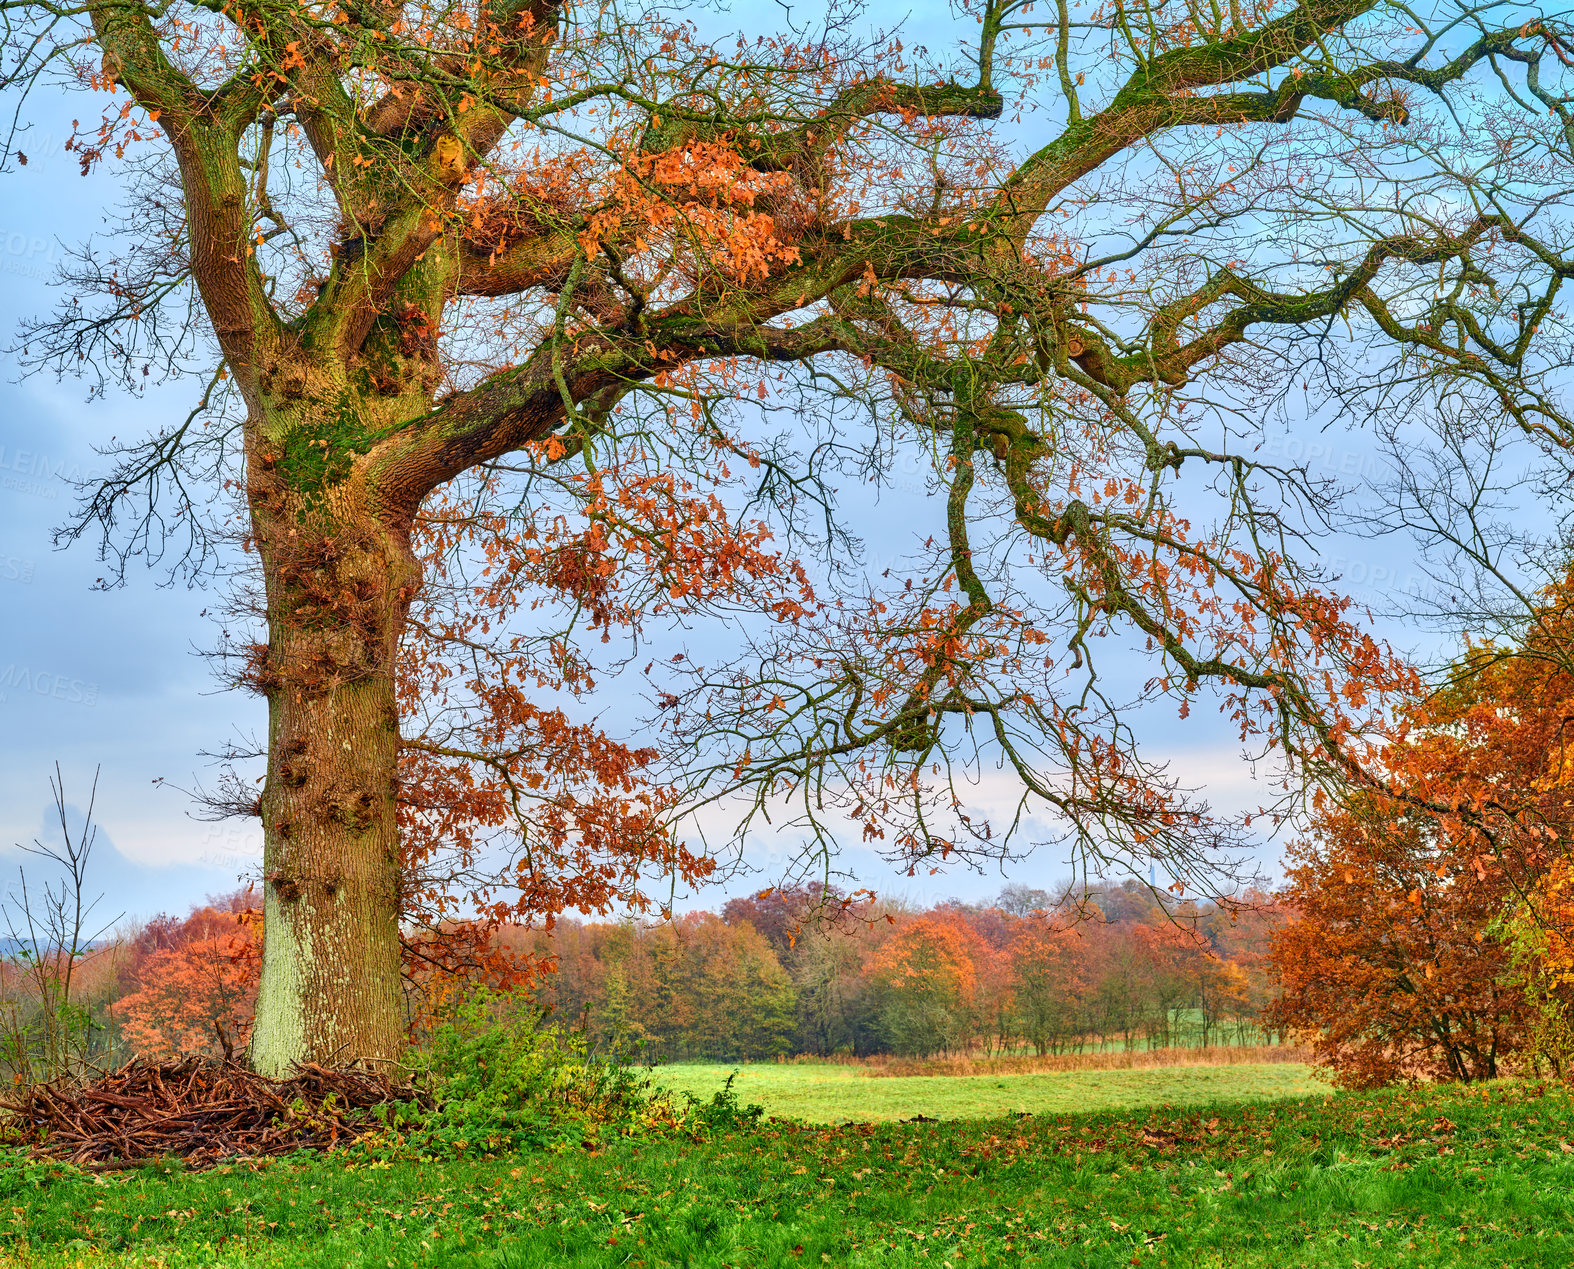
{"points": [[782, 973]]}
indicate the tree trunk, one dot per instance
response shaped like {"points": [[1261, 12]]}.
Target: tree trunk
{"points": [[339, 584]]}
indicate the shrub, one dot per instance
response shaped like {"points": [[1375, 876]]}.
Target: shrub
{"points": [[501, 1083], [724, 1112]]}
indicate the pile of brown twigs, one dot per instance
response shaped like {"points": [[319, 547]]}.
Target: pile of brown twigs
{"points": [[197, 1110]]}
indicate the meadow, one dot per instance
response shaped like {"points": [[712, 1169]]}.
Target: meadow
{"points": [[1432, 1177], [827, 1093]]}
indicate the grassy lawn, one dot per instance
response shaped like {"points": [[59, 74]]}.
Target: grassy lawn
{"points": [[1431, 1178], [827, 1093]]}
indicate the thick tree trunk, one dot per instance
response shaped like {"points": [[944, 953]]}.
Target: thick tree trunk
{"points": [[330, 952], [339, 583]]}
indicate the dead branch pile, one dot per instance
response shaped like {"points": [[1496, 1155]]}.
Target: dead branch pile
{"points": [[199, 1110]]}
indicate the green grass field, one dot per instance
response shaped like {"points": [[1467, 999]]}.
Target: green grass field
{"points": [[828, 1094], [1435, 1178]]}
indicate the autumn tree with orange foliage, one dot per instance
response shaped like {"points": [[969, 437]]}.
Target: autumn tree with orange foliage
{"points": [[1050, 980], [1410, 899], [928, 974], [529, 323], [193, 984], [1512, 781], [1391, 965]]}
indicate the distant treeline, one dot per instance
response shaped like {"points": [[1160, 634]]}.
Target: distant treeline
{"points": [[785, 972], [815, 972]]}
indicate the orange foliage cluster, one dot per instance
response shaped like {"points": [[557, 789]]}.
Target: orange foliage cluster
{"points": [[704, 191], [509, 810], [191, 984], [1402, 962]]}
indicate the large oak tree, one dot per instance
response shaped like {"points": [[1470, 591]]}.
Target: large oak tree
{"points": [[542, 277]]}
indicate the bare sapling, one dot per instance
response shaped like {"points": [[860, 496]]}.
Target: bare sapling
{"points": [[45, 1032]]}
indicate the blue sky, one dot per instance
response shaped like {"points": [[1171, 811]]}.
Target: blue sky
{"points": [[90, 677]]}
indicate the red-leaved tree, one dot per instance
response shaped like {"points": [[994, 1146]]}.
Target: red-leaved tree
{"points": [[193, 984]]}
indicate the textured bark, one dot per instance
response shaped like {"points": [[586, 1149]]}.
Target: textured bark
{"points": [[330, 967], [339, 583]]}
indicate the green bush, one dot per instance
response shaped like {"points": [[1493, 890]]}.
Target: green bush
{"points": [[499, 1083], [724, 1112]]}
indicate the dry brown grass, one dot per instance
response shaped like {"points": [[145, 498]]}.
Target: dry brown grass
{"points": [[1215, 1055]]}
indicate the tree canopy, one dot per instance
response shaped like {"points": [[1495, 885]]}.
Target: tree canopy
{"points": [[527, 322]]}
